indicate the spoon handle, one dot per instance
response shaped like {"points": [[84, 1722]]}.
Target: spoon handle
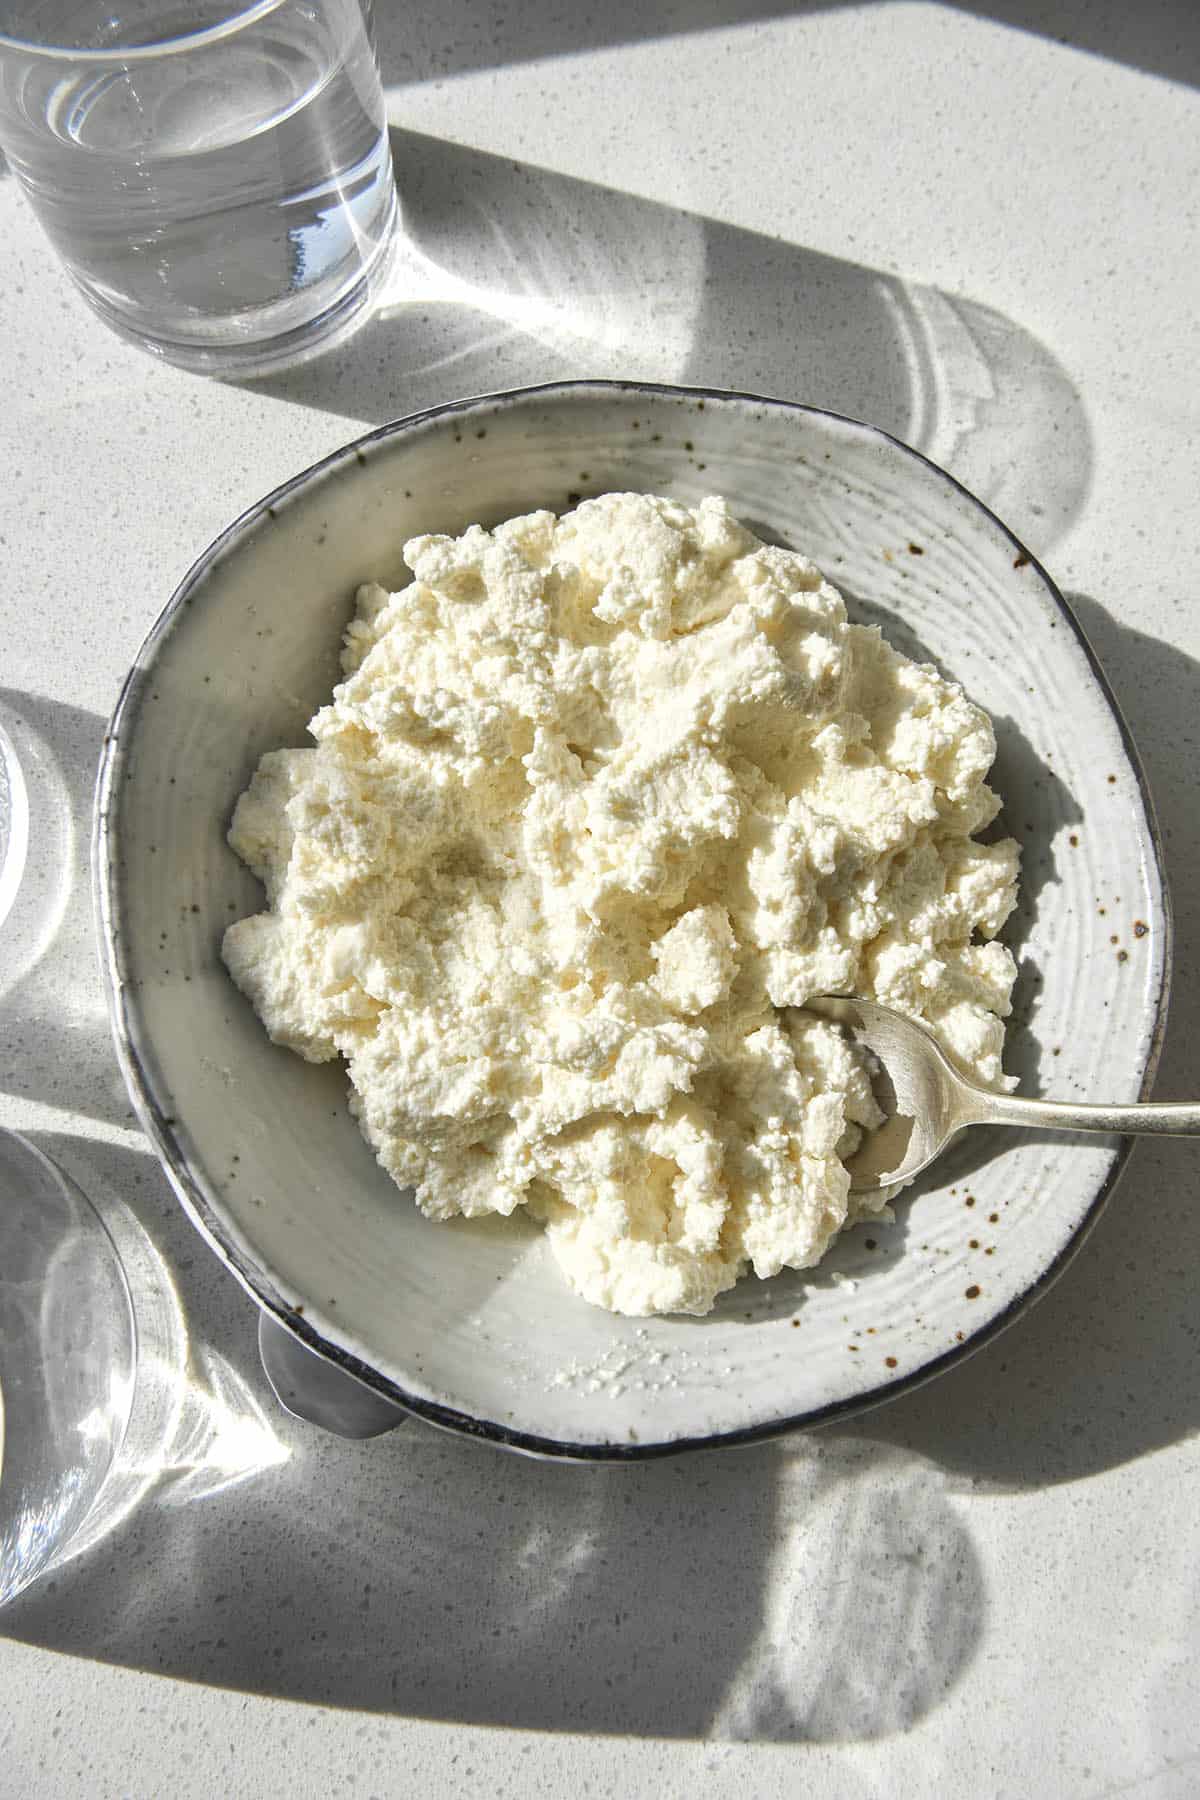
{"points": [[1179, 1119]]}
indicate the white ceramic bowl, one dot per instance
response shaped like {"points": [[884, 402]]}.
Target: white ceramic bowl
{"points": [[471, 1324]]}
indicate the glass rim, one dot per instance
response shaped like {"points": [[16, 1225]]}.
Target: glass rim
{"points": [[116, 56]]}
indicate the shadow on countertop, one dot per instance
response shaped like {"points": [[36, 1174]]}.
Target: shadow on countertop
{"points": [[821, 1588], [429, 40], [1105, 1369], [791, 1591], [509, 274]]}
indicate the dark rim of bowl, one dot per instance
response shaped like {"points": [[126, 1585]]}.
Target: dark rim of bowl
{"points": [[207, 1217]]}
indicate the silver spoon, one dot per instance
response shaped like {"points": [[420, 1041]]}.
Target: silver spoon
{"points": [[931, 1102]]}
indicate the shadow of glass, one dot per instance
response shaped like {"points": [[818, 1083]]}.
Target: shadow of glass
{"points": [[436, 38], [509, 274], [815, 1590], [55, 1022], [1103, 1371], [875, 1592]]}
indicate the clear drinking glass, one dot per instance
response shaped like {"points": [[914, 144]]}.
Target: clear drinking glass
{"points": [[67, 1361], [217, 178]]}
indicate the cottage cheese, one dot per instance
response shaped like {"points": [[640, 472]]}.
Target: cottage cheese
{"points": [[601, 802]]}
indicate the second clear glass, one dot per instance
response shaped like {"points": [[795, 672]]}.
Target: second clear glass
{"points": [[67, 1361]]}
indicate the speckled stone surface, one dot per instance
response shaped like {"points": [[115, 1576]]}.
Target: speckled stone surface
{"points": [[977, 227]]}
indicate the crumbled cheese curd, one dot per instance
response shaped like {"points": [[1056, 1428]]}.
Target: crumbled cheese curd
{"points": [[601, 802]]}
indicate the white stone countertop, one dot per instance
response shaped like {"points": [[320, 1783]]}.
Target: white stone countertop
{"points": [[977, 224]]}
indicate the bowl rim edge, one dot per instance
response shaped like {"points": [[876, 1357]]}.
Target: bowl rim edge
{"points": [[223, 1238]]}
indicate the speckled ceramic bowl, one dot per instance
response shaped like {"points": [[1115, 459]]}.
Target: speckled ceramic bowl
{"points": [[471, 1325]]}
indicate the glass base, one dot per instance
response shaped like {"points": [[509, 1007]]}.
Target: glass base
{"points": [[239, 357]]}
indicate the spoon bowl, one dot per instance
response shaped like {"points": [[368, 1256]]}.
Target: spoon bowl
{"points": [[928, 1101]]}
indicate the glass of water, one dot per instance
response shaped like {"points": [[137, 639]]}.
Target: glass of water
{"points": [[217, 178], [67, 1361]]}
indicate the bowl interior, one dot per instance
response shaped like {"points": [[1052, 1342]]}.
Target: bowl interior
{"points": [[474, 1318]]}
